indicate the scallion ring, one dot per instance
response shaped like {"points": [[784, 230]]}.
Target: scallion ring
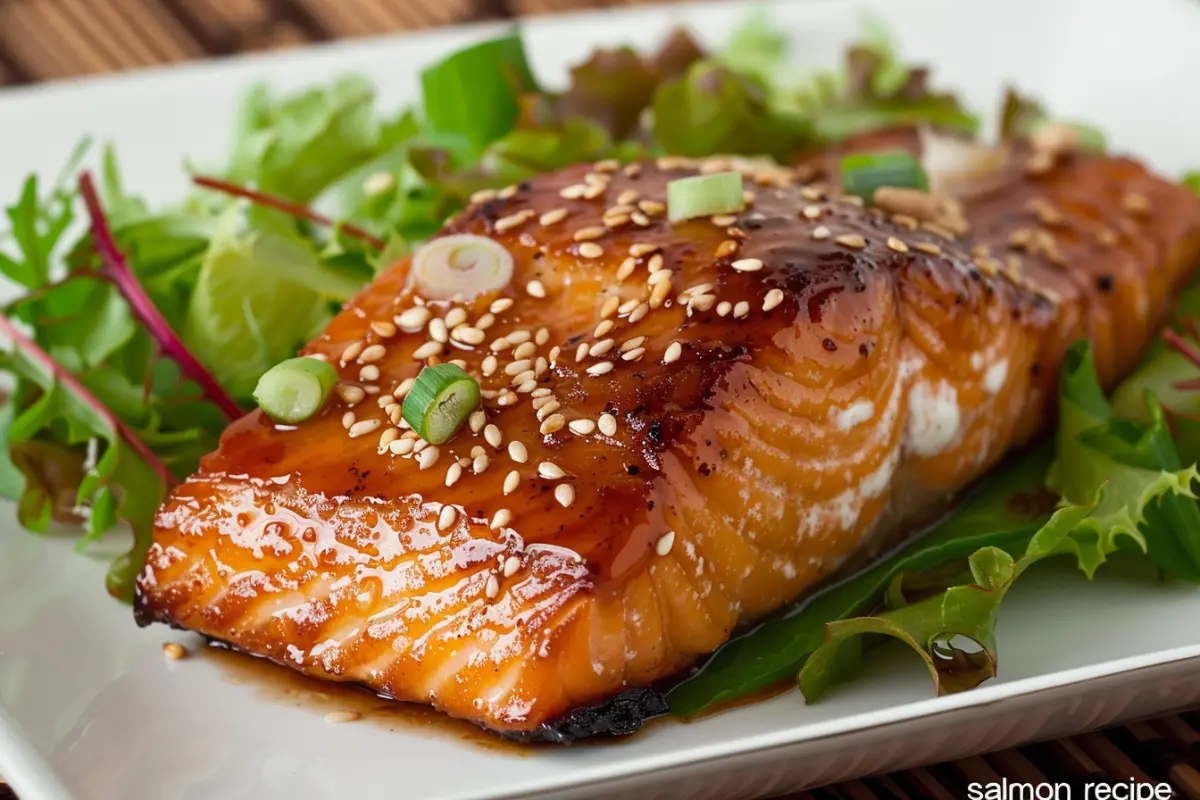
{"points": [[705, 196], [296, 389], [462, 264], [863, 173], [440, 401]]}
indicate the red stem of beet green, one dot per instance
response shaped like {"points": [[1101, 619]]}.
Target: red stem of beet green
{"points": [[287, 207], [116, 269], [1182, 345], [31, 349]]}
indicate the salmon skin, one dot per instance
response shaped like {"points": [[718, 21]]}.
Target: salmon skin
{"points": [[736, 405]]}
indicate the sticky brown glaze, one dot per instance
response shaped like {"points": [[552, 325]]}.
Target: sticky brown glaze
{"points": [[769, 423]]}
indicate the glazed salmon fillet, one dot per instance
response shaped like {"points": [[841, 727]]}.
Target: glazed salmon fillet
{"points": [[685, 426]]}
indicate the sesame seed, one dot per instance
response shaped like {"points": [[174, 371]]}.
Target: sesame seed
{"points": [[543, 392], [628, 306], [652, 207], [851, 240], [590, 250], [641, 310], [483, 196], [626, 269], [523, 378], [609, 307], [480, 463], [594, 190], [727, 248], [403, 388], [520, 336], [664, 543], [174, 651], [352, 350], [928, 247], [552, 424], [601, 347], [536, 289], [363, 427], [501, 305], [511, 565], [615, 221], [486, 321], [553, 217], [741, 309], [493, 436], [477, 420], [501, 519], [396, 415], [493, 587], [724, 220], [634, 354], [628, 197], [401, 447], [488, 367], [456, 317], [723, 308], [517, 367], [501, 344], [453, 473], [540, 366], [564, 493], [1136, 203], [428, 456], [581, 351], [350, 393], [513, 220], [507, 193], [468, 335], [384, 328], [603, 368], [387, 437], [573, 192], [607, 424], [446, 517], [597, 179], [633, 170], [820, 232], [643, 249], [338, 717], [551, 471], [773, 299], [640, 219], [412, 320], [369, 373], [747, 265], [517, 452], [811, 193], [659, 293], [588, 234], [542, 336], [525, 350], [583, 427], [511, 480], [607, 165], [547, 407], [438, 331], [897, 245], [386, 401], [427, 350], [811, 212], [673, 352]]}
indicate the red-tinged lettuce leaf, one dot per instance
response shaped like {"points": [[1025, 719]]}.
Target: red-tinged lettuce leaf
{"points": [[715, 110], [611, 89], [676, 54]]}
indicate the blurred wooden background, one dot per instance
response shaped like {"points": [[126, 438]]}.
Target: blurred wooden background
{"points": [[48, 39]]}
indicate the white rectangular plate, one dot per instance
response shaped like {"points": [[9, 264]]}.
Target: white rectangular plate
{"points": [[89, 708]]}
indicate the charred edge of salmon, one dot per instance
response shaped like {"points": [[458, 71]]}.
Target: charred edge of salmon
{"points": [[618, 716]]}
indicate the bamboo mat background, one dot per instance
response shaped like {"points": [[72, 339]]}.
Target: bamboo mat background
{"points": [[53, 39]]}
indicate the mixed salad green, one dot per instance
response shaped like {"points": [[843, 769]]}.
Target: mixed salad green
{"points": [[141, 332]]}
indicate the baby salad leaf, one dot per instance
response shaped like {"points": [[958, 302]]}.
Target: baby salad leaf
{"points": [[611, 89], [757, 48], [712, 109]]}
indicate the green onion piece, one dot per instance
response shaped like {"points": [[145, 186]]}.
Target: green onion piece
{"points": [[440, 401], [1088, 138], [704, 196], [1192, 181], [296, 389], [863, 173], [475, 92]]}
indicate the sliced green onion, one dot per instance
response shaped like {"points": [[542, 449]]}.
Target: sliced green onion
{"points": [[863, 173], [1088, 138], [461, 264], [704, 196], [296, 389], [440, 401], [475, 92]]}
